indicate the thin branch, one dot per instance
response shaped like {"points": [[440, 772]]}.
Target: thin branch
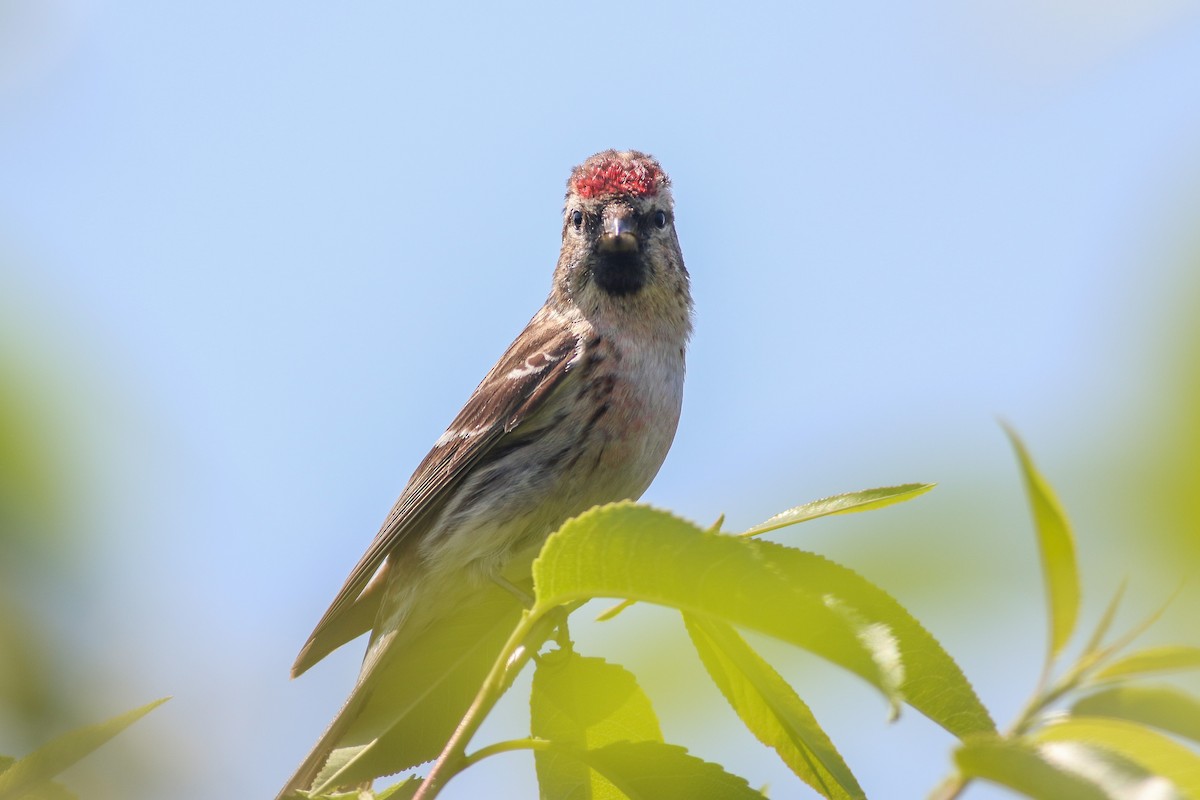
{"points": [[529, 635], [950, 789]]}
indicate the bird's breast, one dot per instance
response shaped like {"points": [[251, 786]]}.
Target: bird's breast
{"points": [[600, 438], [634, 389]]}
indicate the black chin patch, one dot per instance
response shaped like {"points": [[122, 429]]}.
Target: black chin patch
{"points": [[619, 273]]}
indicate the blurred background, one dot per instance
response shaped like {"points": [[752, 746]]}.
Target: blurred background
{"points": [[253, 258]]}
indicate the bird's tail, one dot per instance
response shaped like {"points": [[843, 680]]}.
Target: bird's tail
{"points": [[416, 683]]}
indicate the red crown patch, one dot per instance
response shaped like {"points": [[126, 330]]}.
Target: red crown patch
{"points": [[639, 177]]}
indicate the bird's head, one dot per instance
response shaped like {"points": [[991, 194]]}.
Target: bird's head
{"points": [[619, 243]]}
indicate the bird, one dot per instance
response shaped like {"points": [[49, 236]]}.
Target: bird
{"points": [[580, 410]]}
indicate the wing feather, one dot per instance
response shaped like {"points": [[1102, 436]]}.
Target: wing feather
{"points": [[516, 387]]}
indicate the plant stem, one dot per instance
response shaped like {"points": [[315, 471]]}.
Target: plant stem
{"points": [[509, 746], [1047, 692], [954, 785], [525, 640], [950, 788]]}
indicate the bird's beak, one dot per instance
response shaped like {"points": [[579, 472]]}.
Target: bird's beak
{"points": [[619, 235]]}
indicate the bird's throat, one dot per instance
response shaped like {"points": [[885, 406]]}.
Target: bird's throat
{"points": [[620, 273]]}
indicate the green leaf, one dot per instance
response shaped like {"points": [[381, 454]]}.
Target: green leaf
{"points": [[584, 704], [838, 504], [1106, 621], [1169, 658], [1163, 707], [49, 791], [405, 711], [404, 790], [613, 610], [770, 708], [400, 791], [34, 771], [626, 550], [1057, 548], [656, 771], [848, 503], [1021, 766], [44, 791], [1159, 754], [1131, 635]]}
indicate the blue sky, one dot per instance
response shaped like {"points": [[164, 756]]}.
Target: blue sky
{"points": [[265, 252]]}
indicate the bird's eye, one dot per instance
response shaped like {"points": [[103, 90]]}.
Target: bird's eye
{"points": [[577, 219], [660, 219]]}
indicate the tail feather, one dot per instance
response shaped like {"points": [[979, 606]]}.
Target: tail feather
{"points": [[411, 694]]}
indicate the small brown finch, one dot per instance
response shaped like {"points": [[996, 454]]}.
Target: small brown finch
{"points": [[580, 410]]}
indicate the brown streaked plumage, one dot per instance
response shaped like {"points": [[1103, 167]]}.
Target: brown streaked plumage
{"points": [[580, 410]]}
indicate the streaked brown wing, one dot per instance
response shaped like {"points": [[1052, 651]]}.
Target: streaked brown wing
{"points": [[532, 367]]}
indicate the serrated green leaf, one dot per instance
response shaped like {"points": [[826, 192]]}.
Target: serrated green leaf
{"points": [[36, 769], [323, 796], [584, 703], [1159, 754], [770, 708], [404, 712], [1019, 765], [1057, 548], [838, 504], [404, 790], [1168, 658], [1163, 707], [848, 503], [626, 550], [657, 771]]}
